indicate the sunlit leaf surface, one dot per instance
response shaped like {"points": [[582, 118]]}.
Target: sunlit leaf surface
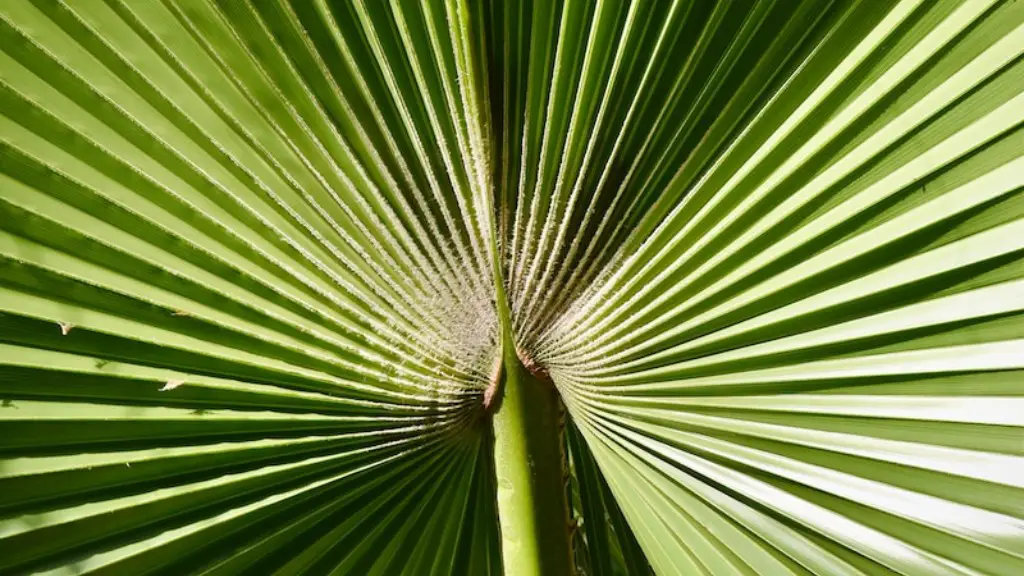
{"points": [[770, 253]]}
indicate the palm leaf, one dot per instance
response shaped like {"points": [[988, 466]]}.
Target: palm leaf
{"points": [[769, 253]]}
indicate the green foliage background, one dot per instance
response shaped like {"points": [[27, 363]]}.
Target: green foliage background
{"points": [[771, 253]]}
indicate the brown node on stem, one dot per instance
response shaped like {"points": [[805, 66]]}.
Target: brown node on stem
{"points": [[495, 383], [539, 372], [494, 386]]}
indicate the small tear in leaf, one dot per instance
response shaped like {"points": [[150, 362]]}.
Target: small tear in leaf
{"points": [[180, 313], [65, 327], [171, 385]]}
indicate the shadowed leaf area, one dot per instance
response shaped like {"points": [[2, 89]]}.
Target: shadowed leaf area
{"points": [[510, 287]]}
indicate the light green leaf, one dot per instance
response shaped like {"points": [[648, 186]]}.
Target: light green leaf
{"points": [[259, 262]]}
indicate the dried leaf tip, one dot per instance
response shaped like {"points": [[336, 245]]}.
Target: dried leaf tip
{"points": [[171, 385], [65, 327]]}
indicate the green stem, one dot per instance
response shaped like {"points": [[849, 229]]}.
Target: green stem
{"points": [[528, 463], [532, 506]]}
